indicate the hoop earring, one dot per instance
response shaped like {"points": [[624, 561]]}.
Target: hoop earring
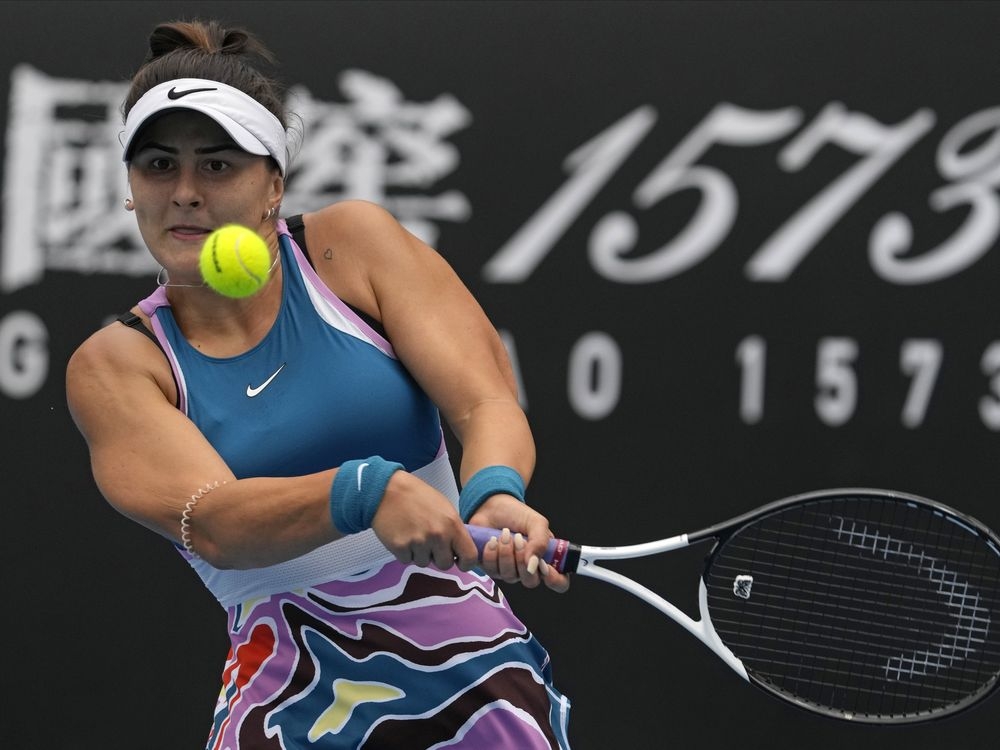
{"points": [[129, 205], [270, 213]]}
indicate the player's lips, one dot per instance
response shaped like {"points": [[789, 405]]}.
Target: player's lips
{"points": [[186, 232]]}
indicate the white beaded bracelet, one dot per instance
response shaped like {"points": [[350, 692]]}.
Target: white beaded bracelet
{"points": [[188, 510]]}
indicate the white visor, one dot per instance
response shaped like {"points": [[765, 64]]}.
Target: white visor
{"points": [[248, 122]]}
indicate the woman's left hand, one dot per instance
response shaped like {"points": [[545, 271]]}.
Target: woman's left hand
{"points": [[516, 554]]}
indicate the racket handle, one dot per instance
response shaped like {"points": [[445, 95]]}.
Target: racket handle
{"points": [[560, 554]]}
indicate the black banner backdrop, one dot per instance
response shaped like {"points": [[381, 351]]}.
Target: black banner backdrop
{"points": [[737, 250]]}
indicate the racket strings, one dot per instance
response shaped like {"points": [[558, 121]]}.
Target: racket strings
{"points": [[837, 656], [910, 597], [957, 690], [863, 606], [843, 634]]}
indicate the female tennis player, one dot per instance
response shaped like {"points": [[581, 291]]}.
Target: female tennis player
{"points": [[290, 445]]}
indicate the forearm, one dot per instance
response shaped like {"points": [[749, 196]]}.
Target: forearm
{"points": [[496, 433], [256, 522], [495, 430]]}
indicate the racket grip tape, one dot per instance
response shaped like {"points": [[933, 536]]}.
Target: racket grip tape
{"points": [[560, 554]]}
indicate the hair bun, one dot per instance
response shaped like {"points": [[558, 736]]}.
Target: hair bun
{"points": [[207, 36], [236, 42]]}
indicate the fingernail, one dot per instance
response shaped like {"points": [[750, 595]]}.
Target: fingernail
{"points": [[543, 568], [491, 545], [505, 536], [533, 565], [518, 541]]}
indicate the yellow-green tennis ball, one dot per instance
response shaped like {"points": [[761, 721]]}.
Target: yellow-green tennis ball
{"points": [[235, 261]]}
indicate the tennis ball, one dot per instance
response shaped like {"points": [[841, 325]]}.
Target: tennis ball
{"points": [[235, 261]]}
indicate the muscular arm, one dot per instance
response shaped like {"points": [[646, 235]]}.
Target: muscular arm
{"points": [[437, 328], [446, 341], [148, 459]]}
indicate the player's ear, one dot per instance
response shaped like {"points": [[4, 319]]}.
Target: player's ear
{"points": [[277, 189]]}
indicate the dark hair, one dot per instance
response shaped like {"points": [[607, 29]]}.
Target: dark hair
{"points": [[206, 49]]}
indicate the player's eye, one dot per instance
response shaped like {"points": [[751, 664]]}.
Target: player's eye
{"points": [[216, 165], [158, 163]]}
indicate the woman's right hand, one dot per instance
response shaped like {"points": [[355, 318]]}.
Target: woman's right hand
{"points": [[419, 525]]}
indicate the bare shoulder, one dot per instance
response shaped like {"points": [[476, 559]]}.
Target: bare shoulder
{"points": [[112, 346], [355, 226], [359, 249], [344, 216], [109, 366]]}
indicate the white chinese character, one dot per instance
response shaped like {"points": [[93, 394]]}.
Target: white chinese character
{"points": [[64, 182], [373, 144]]}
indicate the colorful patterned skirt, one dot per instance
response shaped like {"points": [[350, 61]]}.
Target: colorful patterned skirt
{"points": [[399, 657]]}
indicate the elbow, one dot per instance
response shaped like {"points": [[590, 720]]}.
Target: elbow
{"points": [[211, 553], [198, 541]]}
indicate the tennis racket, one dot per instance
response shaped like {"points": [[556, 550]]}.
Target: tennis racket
{"points": [[860, 604]]}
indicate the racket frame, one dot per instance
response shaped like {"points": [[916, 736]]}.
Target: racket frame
{"points": [[584, 560], [722, 531]]}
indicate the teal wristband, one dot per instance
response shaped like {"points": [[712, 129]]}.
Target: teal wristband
{"points": [[357, 490], [488, 481]]}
